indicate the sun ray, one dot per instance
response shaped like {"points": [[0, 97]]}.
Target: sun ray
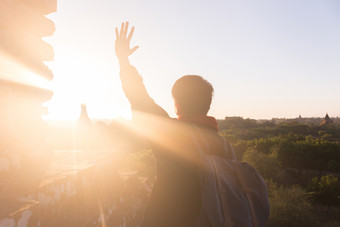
{"points": [[13, 71], [175, 137]]}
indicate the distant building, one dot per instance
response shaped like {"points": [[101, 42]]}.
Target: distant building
{"points": [[84, 119], [327, 120], [84, 130]]}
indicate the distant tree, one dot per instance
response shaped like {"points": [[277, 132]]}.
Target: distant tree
{"points": [[289, 206], [310, 154], [325, 190], [267, 164], [265, 145]]}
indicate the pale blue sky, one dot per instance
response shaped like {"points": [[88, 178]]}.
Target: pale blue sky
{"points": [[264, 58]]}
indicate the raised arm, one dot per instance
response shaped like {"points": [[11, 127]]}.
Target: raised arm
{"points": [[132, 82]]}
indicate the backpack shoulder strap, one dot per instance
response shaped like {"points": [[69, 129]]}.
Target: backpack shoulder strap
{"points": [[229, 149], [246, 191]]}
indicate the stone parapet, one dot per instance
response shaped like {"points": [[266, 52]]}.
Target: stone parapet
{"points": [[79, 188]]}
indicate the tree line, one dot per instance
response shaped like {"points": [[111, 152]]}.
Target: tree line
{"points": [[300, 161]]}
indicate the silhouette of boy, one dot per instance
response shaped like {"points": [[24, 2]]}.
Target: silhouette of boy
{"points": [[176, 195]]}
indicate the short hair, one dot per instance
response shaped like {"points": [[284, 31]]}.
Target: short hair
{"points": [[192, 94]]}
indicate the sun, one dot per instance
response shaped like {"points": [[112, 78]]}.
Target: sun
{"points": [[80, 79]]}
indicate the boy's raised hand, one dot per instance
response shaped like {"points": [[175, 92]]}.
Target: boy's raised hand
{"points": [[122, 44]]}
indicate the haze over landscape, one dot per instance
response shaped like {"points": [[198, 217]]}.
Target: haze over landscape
{"points": [[265, 59], [70, 155]]}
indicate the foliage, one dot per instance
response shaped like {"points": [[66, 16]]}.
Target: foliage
{"points": [[289, 152], [248, 129], [289, 206], [240, 147], [295, 151], [266, 164], [325, 190], [315, 154]]}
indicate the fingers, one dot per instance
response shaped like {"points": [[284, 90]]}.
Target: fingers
{"points": [[117, 34], [133, 49], [131, 33], [125, 29], [121, 30]]}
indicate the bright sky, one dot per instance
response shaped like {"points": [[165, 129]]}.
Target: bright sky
{"points": [[264, 58]]}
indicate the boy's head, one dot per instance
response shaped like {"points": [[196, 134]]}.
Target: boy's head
{"points": [[192, 95]]}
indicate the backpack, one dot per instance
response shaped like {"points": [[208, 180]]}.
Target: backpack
{"points": [[233, 193]]}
